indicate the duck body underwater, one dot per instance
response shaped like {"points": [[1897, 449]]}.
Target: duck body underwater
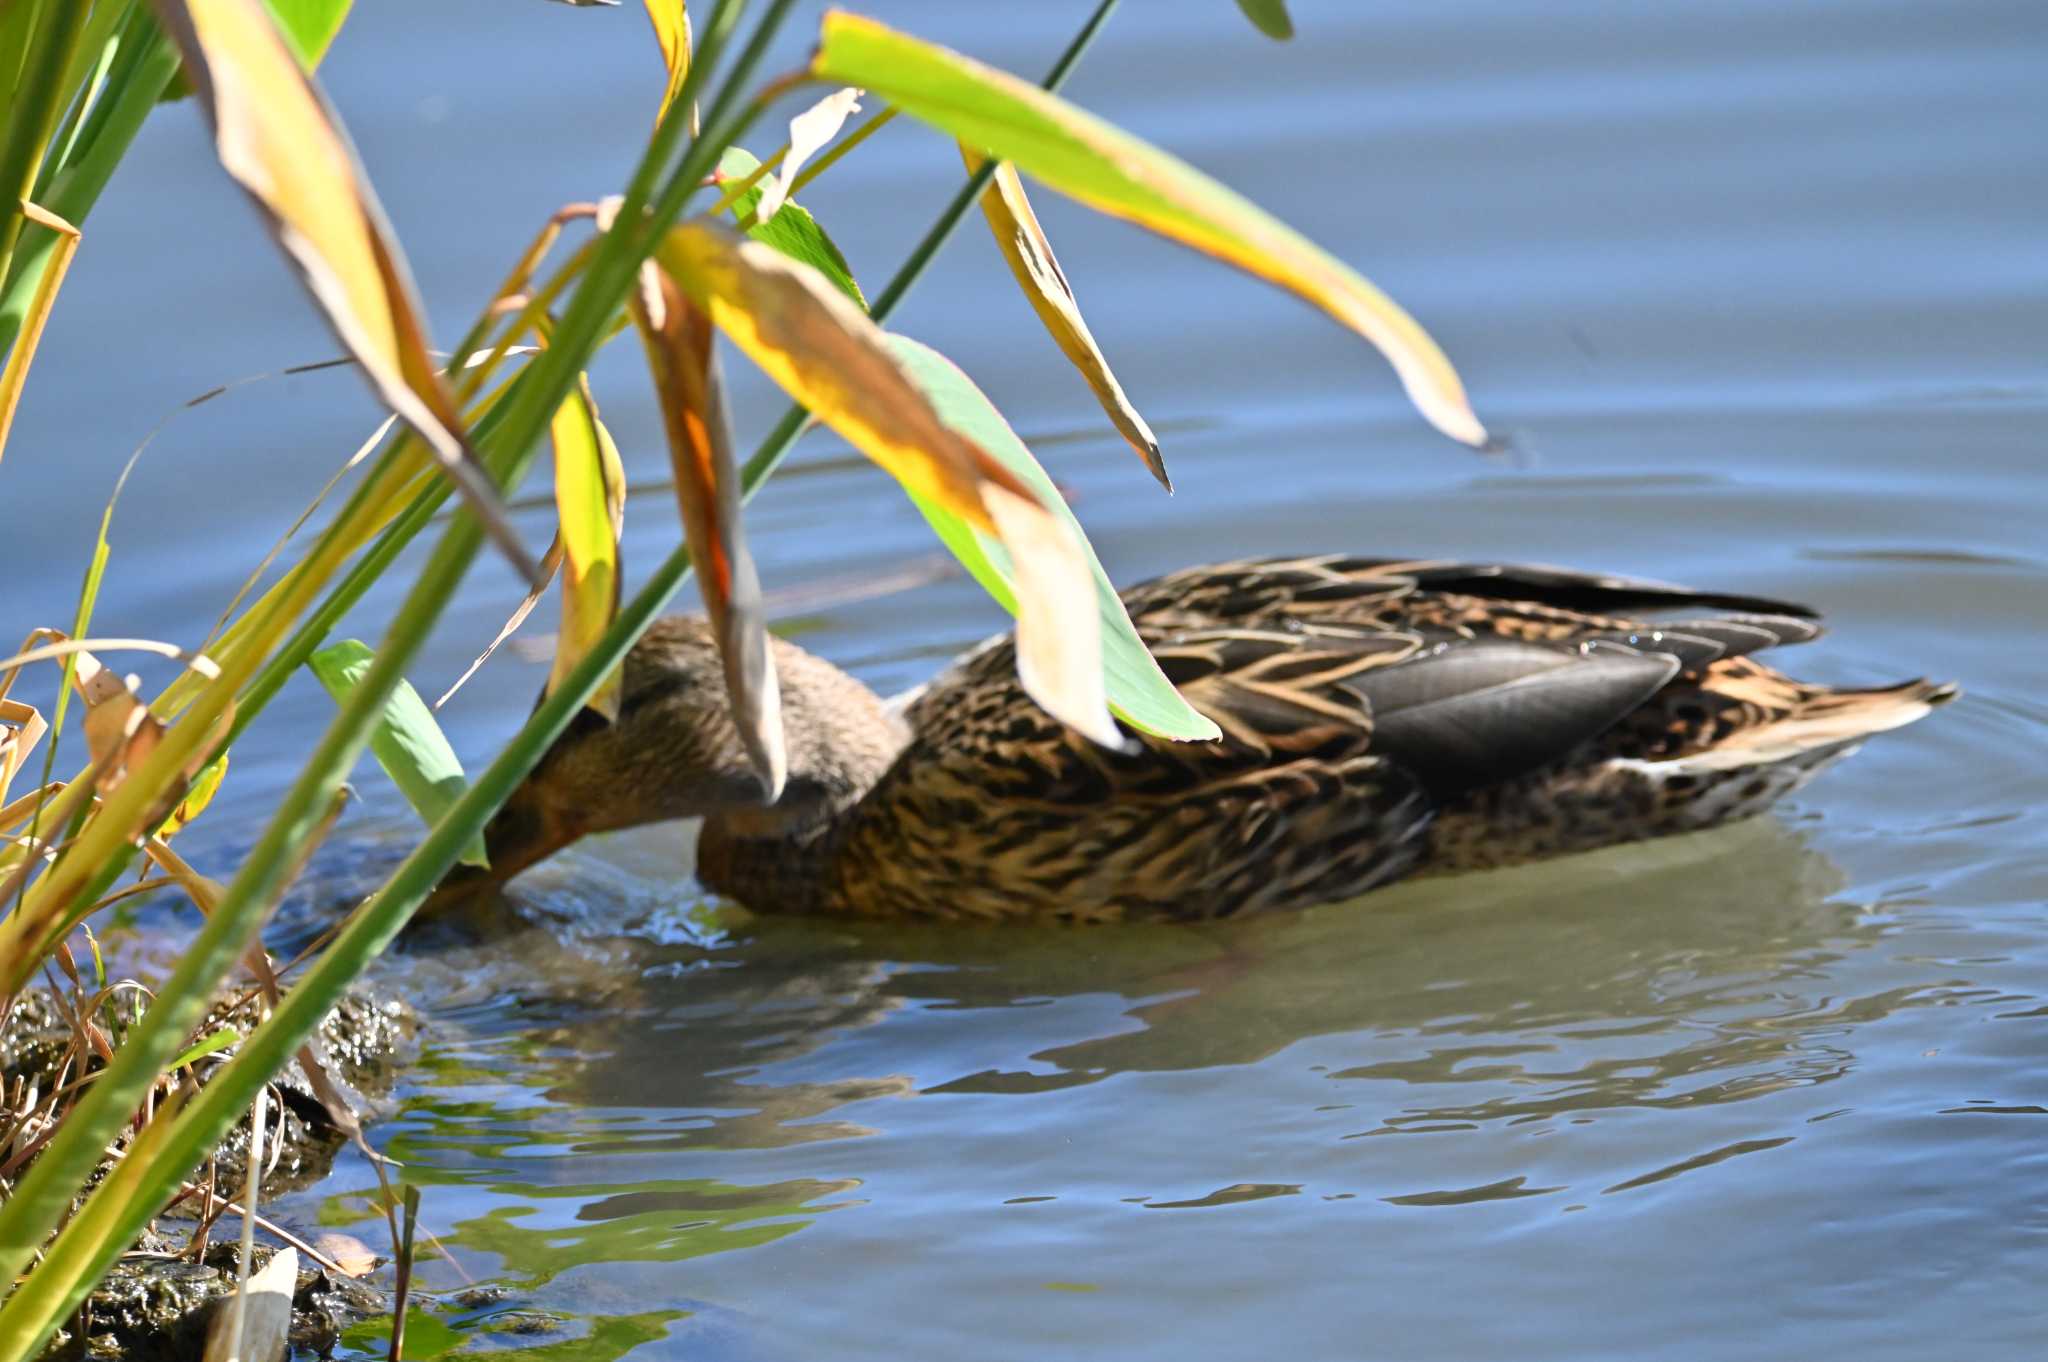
{"points": [[1381, 718]]}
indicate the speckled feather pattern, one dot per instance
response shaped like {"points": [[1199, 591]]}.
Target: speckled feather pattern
{"points": [[1597, 710]]}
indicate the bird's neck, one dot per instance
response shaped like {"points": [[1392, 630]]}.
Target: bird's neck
{"points": [[783, 858], [789, 872]]}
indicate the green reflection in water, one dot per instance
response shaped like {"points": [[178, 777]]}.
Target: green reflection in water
{"points": [[429, 1336], [655, 1222]]}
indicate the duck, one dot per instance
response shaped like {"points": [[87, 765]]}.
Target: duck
{"points": [[1380, 719]]}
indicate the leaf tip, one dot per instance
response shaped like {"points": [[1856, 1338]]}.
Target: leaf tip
{"points": [[1463, 426], [1270, 17], [1157, 465]]}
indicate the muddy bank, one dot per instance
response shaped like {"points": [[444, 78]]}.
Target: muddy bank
{"points": [[157, 1301]]}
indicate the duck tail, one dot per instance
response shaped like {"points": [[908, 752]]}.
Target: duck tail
{"points": [[1825, 723]]}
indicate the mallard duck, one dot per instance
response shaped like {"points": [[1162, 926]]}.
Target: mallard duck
{"points": [[1380, 718]]}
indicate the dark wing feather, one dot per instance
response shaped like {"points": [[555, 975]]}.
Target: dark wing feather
{"points": [[1468, 714]]}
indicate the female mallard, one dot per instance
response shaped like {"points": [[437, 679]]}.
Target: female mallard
{"points": [[1379, 718]]}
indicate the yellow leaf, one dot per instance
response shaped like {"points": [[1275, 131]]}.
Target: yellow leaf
{"points": [[825, 352], [584, 497], [1038, 272], [278, 139], [14, 373], [671, 20], [684, 362], [196, 799], [1113, 172]]}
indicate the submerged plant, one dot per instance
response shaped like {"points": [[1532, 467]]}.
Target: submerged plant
{"points": [[704, 244]]}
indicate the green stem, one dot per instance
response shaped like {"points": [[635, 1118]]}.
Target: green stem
{"points": [[610, 273], [776, 447]]}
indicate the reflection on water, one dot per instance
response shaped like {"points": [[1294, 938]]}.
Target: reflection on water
{"points": [[1558, 1038]]}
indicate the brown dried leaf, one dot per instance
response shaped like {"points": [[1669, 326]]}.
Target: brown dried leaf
{"points": [[824, 351], [684, 363], [1024, 246], [350, 1254]]}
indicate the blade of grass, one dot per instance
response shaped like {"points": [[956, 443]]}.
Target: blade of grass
{"points": [[407, 742], [1111, 171], [32, 117]]}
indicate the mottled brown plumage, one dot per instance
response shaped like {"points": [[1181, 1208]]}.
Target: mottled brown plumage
{"points": [[1379, 717]]}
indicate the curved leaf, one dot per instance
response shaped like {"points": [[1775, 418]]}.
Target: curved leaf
{"points": [[825, 352], [671, 20], [1138, 691], [1024, 245], [1109, 170], [683, 359], [407, 742], [1269, 17], [590, 501], [809, 131]]}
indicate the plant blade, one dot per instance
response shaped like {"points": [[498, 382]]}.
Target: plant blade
{"points": [[1269, 17], [14, 373], [793, 231], [1138, 691], [824, 352], [277, 138], [1029, 255], [671, 20], [407, 742], [214, 1043], [309, 26], [590, 500], [684, 363], [1113, 172]]}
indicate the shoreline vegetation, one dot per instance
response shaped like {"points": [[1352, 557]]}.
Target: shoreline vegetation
{"points": [[705, 250]]}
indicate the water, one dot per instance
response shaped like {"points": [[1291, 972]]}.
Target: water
{"points": [[1758, 294]]}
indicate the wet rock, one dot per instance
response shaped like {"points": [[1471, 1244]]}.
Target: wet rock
{"points": [[362, 1043], [158, 1310], [156, 1303]]}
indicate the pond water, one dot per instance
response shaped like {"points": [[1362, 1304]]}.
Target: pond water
{"points": [[1756, 291]]}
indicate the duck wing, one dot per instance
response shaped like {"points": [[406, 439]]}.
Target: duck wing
{"points": [[1336, 592]]}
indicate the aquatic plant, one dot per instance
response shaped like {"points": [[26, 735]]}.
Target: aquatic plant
{"points": [[705, 243]]}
